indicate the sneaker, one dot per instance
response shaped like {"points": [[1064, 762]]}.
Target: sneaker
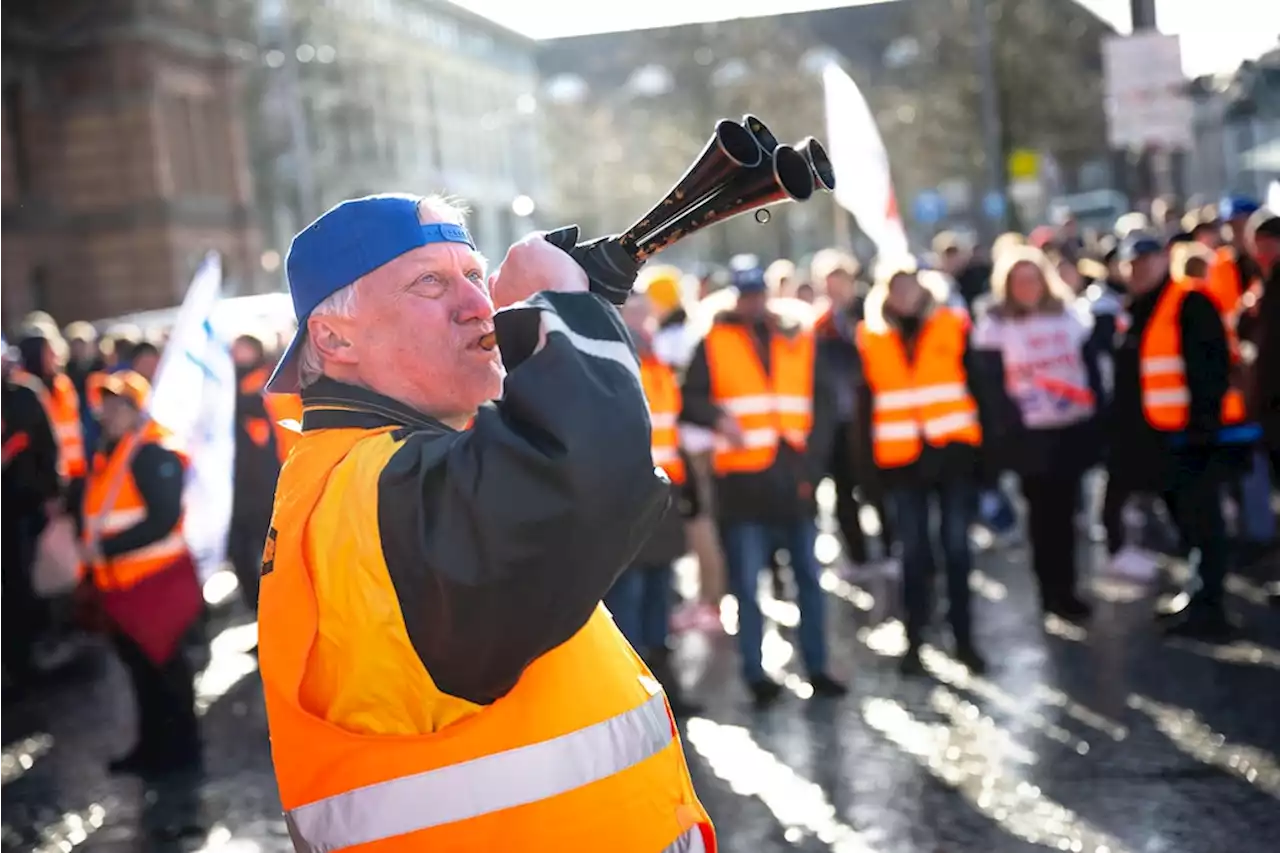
{"points": [[1199, 622], [968, 655], [910, 663], [764, 693], [827, 687], [1070, 608]]}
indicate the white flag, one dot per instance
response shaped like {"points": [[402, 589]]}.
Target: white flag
{"points": [[195, 398], [1273, 197], [864, 186]]}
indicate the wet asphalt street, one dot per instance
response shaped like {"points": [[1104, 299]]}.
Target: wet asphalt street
{"points": [[1094, 738]]}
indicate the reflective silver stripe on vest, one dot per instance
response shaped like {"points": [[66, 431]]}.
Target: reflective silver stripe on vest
{"points": [[689, 842], [483, 785]]}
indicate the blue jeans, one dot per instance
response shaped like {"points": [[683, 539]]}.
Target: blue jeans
{"points": [[640, 601], [911, 518], [747, 547]]}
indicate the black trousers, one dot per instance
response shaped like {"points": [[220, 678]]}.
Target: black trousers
{"points": [[24, 613], [1051, 504], [245, 539], [166, 701], [844, 474], [1197, 508]]}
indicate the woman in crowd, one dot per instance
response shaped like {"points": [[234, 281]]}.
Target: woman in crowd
{"points": [[1037, 381]]}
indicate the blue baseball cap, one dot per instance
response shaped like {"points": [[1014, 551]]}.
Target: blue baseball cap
{"points": [[348, 241], [1234, 206], [1138, 244]]}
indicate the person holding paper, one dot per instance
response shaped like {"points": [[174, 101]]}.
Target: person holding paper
{"points": [[1038, 378]]}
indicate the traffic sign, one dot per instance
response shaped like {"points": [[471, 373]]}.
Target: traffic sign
{"points": [[993, 205], [929, 207]]}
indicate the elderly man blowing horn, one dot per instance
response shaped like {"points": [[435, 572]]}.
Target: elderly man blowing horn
{"points": [[439, 673]]}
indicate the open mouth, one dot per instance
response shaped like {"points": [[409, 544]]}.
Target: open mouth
{"points": [[488, 341]]}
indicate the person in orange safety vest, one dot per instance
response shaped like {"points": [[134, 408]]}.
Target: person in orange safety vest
{"points": [[438, 669], [920, 435], [138, 561], [1178, 424], [756, 380], [640, 600]]}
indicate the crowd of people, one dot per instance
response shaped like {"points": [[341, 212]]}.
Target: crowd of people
{"points": [[81, 456], [916, 387]]}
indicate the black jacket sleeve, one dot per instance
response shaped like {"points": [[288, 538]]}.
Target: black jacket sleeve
{"points": [[38, 468], [1207, 358], [860, 439], [158, 474], [823, 433], [501, 540], [697, 408]]}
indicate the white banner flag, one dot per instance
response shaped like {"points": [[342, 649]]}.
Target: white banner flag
{"points": [[195, 398], [1273, 197], [864, 186]]}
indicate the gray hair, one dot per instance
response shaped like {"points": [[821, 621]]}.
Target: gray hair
{"points": [[343, 303]]}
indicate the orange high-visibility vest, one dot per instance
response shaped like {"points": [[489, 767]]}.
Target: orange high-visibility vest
{"points": [[1166, 399], [663, 393], [62, 407], [582, 754], [286, 419], [1223, 285], [127, 509], [770, 408], [925, 400], [284, 412]]}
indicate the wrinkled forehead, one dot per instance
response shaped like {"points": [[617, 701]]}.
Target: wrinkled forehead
{"points": [[437, 257]]}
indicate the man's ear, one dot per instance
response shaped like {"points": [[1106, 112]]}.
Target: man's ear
{"points": [[329, 335]]}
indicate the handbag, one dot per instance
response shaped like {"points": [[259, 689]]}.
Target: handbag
{"points": [[57, 568]]}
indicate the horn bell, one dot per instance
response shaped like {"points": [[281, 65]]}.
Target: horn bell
{"points": [[824, 174], [731, 149], [785, 176], [763, 135]]}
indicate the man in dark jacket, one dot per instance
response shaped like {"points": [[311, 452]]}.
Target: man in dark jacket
{"points": [[1188, 463], [837, 272], [1260, 327], [757, 506], [31, 490], [257, 466]]}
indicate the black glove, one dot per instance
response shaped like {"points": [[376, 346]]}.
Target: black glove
{"points": [[610, 270]]}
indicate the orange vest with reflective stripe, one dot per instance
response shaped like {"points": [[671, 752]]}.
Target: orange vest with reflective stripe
{"points": [[1166, 399], [769, 408], [127, 509], [925, 400], [62, 407], [582, 754], [663, 393]]}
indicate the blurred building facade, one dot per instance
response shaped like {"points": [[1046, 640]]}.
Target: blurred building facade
{"points": [[1237, 130], [635, 95], [392, 95], [124, 156]]}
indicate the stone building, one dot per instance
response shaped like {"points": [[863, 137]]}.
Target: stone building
{"points": [[393, 95], [124, 156]]}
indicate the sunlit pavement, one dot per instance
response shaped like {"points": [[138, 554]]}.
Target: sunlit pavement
{"points": [[1094, 738]]}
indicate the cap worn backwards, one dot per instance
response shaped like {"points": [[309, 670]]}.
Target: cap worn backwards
{"points": [[348, 241]]}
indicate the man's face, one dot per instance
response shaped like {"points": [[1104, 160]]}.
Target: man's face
{"points": [[752, 305], [637, 314], [146, 364], [117, 416], [1208, 234], [841, 288], [953, 260], [906, 295], [1147, 272], [244, 353], [416, 333], [1266, 251], [80, 350]]}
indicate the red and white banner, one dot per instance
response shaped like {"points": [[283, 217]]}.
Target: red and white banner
{"points": [[864, 185]]}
